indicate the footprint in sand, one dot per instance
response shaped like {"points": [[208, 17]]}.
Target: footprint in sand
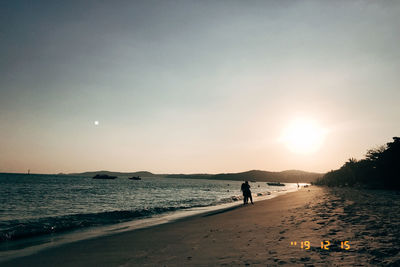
{"points": [[303, 259]]}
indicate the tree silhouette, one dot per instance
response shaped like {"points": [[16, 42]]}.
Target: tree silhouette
{"points": [[379, 169]]}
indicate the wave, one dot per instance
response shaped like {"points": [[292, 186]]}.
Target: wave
{"points": [[25, 228], [19, 229]]}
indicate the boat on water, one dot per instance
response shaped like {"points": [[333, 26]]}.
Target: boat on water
{"points": [[135, 178], [275, 184], [103, 176]]}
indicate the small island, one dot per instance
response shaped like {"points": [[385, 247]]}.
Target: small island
{"points": [[104, 176], [275, 184]]}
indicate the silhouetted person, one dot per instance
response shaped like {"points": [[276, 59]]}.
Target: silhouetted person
{"points": [[243, 188], [246, 193]]}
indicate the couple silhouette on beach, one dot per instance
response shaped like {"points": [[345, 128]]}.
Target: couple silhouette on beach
{"points": [[246, 193]]}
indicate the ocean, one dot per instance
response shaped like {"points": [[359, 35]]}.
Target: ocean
{"points": [[41, 206]]}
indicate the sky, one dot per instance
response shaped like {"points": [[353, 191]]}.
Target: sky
{"points": [[196, 86]]}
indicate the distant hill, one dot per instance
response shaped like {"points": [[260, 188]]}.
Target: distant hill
{"points": [[290, 176], [118, 174]]}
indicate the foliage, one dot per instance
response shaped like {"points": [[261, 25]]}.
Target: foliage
{"points": [[379, 169]]}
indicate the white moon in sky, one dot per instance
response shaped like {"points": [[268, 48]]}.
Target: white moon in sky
{"points": [[96, 122]]}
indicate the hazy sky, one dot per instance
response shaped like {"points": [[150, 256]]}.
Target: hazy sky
{"points": [[194, 86]]}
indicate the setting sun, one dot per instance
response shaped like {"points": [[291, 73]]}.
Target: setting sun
{"points": [[303, 136]]}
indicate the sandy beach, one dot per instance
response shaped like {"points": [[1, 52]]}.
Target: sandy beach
{"points": [[263, 234]]}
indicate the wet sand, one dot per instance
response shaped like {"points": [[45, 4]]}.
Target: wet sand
{"points": [[254, 235]]}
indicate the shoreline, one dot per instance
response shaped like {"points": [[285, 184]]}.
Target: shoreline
{"points": [[99, 239], [33, 245], [255, 235]]}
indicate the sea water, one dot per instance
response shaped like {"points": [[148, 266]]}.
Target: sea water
{"points": [[33, 206]]}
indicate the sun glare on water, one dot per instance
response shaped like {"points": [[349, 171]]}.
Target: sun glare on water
{"points": [[303, 136]]}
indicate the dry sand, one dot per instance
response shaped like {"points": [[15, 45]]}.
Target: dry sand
{"points": [[254, 235]]}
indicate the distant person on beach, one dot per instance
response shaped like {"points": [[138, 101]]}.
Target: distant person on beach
{"points": [[246, 193], [243, 189]]}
